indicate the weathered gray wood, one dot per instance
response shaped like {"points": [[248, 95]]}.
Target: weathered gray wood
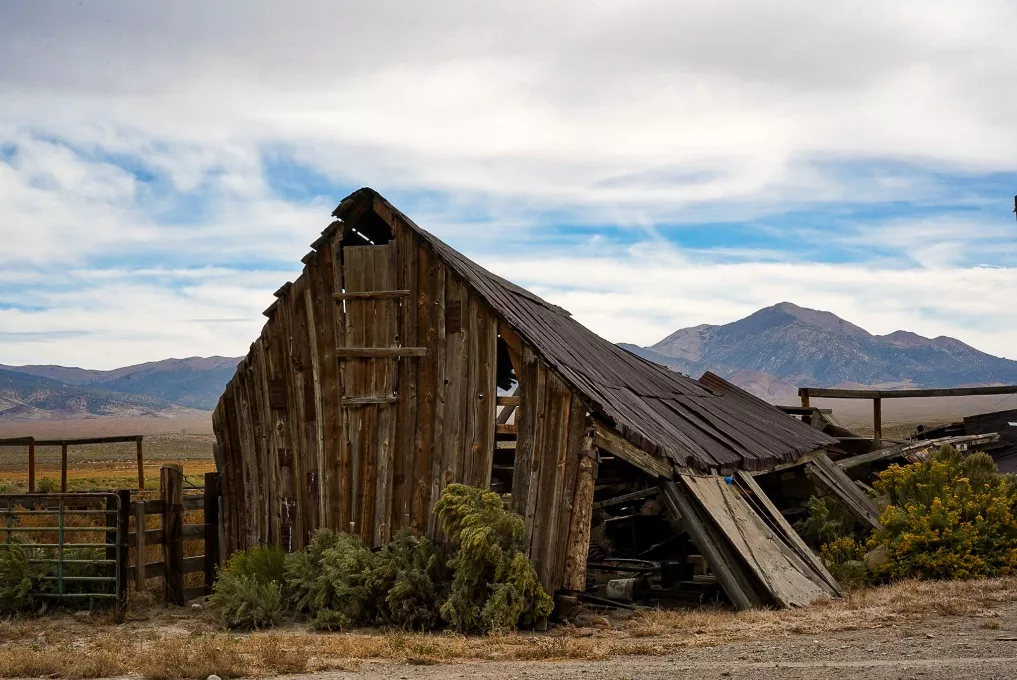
{"points": [[834, 481], [614, 443], [755, 543], [578, 541], [834, 393], [381, 352], [718, 556], [372, 295], [787, 531]]}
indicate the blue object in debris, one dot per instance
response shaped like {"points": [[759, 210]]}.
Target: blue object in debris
{"points": [[729, 479]]}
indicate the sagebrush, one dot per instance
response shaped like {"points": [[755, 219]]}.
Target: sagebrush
{"points": [[478, 580], [249, 590]]}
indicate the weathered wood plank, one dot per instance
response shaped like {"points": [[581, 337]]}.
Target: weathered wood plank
{"points": [[787, 531], [373, 295], [578, 540], [381, 352], [316, 473], [530, 394], [614, 443], [538, 458], [431, 277], [782, 574], [454, 420], [406, 384]]}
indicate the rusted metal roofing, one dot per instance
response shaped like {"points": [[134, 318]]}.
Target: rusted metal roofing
{"points": [[695, 424]]}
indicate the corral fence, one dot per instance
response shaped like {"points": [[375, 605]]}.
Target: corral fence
{"points": [[92, 546]]}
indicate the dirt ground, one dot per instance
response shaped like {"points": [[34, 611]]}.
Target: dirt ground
{"points": [[920, 630]]}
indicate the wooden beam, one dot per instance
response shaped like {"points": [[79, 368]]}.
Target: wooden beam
{"points": [[612, 442], [31, 467], [831, 393], [577, 543], [63, 467], [506, 429], [16, 441], [904, 449], [372, 295], [877, 420], [625, 498], [380, 352], [509, 401], [367, 401], [141, 467], [88, 440], [804, 394]]}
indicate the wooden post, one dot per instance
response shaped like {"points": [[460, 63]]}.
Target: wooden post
{"points": [[171, 479], [139, 546], [877, 421], [211, 529], [805, 397], [63, 467], [123, 551], [578, 545], [141, 467], [31, 467]]}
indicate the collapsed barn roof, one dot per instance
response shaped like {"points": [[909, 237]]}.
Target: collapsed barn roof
{"points": [[703, 425]]}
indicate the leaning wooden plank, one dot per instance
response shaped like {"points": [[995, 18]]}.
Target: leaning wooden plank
{"points": [[718, 556], [454, 422], [530, 394], [834, 481], [578, 542], [784, 579], [614, 443], [564, 509], [787, 531]]}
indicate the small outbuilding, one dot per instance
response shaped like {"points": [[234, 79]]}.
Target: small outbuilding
{"points": [[394, 366]]}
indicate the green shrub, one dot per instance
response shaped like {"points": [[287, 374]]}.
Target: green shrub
{"points": [[413, 579], [484, 582], [47, 485], [828, 520], [494, 586], [948, 517], [249, 590], [19, 581]]}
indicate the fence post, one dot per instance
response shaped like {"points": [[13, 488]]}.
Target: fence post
{"points": [[123, 546], [171, 480], [139, 546], [211, 529], [31, 466]]}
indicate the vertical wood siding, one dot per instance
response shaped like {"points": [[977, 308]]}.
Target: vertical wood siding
{"points": [[297, 457]]}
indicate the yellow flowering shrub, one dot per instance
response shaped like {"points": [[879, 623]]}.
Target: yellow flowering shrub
{"points": [[947, 517]]}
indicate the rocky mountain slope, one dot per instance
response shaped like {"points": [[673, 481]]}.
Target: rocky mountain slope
{"points": [[802, 347], [53, 392]]}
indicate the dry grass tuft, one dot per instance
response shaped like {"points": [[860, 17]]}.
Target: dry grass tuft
{"points": [[173, 658], [166, 648]]}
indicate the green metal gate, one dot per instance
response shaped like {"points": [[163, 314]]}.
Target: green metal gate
{"points": [[76, 543]]}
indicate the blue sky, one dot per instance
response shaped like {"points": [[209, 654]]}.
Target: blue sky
{"points": [[647, 166]]}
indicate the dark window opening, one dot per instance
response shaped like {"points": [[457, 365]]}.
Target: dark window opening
{"points": [[369, 230]]}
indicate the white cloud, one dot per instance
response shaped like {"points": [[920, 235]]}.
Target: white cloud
{"points": [[628, 114]]}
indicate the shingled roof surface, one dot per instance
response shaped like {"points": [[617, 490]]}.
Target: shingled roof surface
{"points": [[666, 413]]}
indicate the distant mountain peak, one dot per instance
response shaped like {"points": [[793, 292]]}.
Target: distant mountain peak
{"points": [[786, 311], [802, 346]]}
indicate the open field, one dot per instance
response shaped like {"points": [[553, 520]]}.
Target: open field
{"points": [[909, 629], [193, 422]]}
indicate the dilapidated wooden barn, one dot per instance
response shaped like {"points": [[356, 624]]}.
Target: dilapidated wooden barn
{"points": [[394, 366]]}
